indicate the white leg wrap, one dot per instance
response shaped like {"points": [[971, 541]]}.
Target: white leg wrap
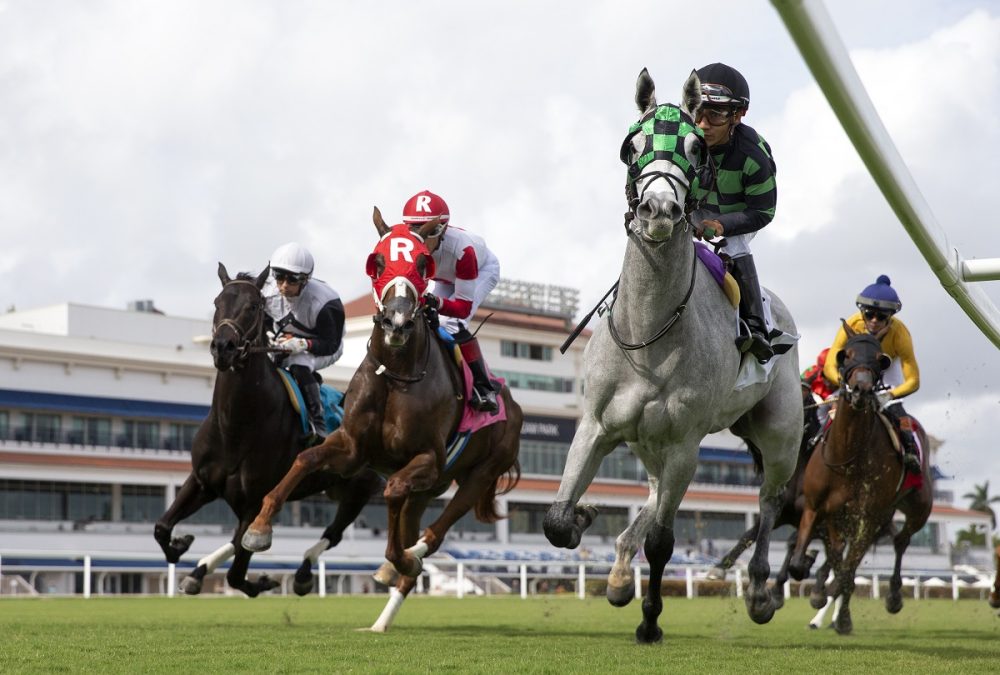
{"points": [[817, 621], [419, 550], [836, 608], [389, 613], [316, 550], [213, 560]]}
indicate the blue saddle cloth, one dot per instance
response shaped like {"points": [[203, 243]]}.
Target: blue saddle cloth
{"points": [[333, 401]]}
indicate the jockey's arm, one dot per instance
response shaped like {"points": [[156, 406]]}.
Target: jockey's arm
{"points": [[459, 305], [760, 198], [830, 370], [901, 347], [329, 329]]}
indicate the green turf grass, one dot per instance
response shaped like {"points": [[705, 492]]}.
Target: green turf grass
{"points": [[547, 634]]}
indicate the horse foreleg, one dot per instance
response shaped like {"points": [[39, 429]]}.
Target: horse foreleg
{"points": [[658, 548], [818, 597], [894, 599], [258, 536], [191, 497], [396, 596], [191, 584], [778, 590], [621, 580], [742, 544], [800, 563], [353, 496], [565, 521], [419, 475]]}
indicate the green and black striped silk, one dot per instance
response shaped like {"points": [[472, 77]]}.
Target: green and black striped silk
{"points": [[745, 193]]}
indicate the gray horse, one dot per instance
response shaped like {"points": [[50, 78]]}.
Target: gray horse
{"points": [[662, 370]]}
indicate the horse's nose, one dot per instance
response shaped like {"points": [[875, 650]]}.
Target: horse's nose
{"points": [[864, 379], [655, 207]]}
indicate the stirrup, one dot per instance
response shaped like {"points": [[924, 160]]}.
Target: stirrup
{"points": [[760, 348], [484, 402]]}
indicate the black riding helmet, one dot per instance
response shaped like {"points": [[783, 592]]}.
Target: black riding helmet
{"points": [[722, 85]]}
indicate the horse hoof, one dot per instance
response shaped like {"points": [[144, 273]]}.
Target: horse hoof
{"points": [[266, 583], [761, 610], [645, 635], [893, 603], [190, 585], [256, 541], [994, 601], [843, 627], [813, 626], [387, 575], [779, 599], [303, 588], [619, 596], [817, 601], [716, 574]]}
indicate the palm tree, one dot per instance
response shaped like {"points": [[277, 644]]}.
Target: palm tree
{"points": [[980, 500]]}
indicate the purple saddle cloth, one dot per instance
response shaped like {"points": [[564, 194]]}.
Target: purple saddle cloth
{"points": [[711, 261]]}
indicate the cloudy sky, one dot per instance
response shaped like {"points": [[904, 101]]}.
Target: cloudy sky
{"points": [[142, 142]]}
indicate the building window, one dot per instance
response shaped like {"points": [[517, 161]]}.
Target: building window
{"points": [[4, 425], [142, 503], [525, 350], [89, 431], [180, 436], [140, 434], [47, 500], [515, 380]]}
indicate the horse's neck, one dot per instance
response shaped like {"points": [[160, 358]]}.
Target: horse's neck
{"points": [[852, 430], [408, 360], [654, 281], [242, 389]]}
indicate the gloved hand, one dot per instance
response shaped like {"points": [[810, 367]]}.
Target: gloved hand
{"points": [[292, 344], [708, 229], [432, 301], [884, 398]]}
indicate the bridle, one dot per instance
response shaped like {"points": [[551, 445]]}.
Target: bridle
{"points": [[246, 338], [419, 314]]}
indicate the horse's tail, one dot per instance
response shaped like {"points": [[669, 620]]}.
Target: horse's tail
{"points": [[758, 461], [486, 507]]}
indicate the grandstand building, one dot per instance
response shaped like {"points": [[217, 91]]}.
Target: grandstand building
{"points": [[98, 409]]}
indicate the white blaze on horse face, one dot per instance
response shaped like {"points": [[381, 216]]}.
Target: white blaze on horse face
{"points": [[400, 247], [662, 204]]}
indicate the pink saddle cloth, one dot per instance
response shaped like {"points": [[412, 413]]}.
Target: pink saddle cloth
{"points": [[474, 420]]}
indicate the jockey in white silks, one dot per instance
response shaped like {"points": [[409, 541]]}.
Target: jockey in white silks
{"points": [[308, 323], [466, 273]]}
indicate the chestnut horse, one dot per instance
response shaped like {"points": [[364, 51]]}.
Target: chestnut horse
{"points": [[855, 480], [995, 593], [247, 443], [403, 405]]}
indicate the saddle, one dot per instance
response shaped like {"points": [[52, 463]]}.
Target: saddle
{"points": [[333, 402]]}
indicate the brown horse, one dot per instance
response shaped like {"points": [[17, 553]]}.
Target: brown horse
{"points": [[403, 405], [855, 480]]}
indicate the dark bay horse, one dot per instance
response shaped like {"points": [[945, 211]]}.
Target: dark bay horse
{"points": [[247, 443], [995, 593], [855, 480], [403, 405]]}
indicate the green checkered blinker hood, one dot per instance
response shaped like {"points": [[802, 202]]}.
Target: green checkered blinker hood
{"points": [[665, 130]]}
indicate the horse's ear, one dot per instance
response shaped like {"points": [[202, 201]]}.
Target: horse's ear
{"points": [[645, 92], [841, 355], [847, 329], [379, 222], [223, 274], [426, 266], [691, 94], [431, 230], [262, 277], [884, 362], [375, 265]]}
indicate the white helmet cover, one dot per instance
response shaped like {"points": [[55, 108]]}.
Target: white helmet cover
{"points": [[294, 258]]}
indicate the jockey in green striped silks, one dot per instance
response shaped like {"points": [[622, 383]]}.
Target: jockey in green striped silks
{"points": [[744, 195]]}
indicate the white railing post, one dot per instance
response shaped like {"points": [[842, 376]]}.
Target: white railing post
{"points": [[524, 582], [916, 587], [581, 581], [788, 589], [171, 580], [689, 582], [460, 581], [1, 575], [86, 576], [638, 582], [954, 587], [876, 591], [738, 575], [322, 578]]}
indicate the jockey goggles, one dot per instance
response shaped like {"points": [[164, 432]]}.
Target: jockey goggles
{"points": [[872, 313], [281, 276]]}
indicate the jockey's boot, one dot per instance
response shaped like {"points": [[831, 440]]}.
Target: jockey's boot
{"points": [[911, 457], [752, 309], [310, 394], [484, 396]]}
